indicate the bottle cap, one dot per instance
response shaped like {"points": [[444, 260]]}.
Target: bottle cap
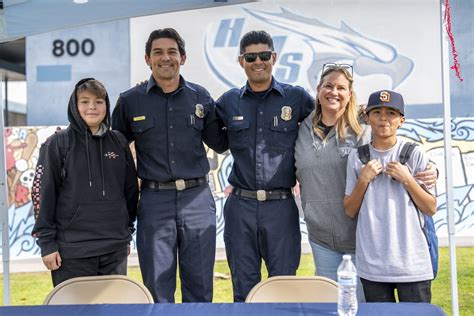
{"points": [[346, 257]]}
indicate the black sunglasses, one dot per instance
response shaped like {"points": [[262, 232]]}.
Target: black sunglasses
{"points": [[347, 67], [251, 57]]}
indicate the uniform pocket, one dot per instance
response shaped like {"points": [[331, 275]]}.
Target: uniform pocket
{"points": [[139, 127], [98, 220], [238, 134], [196, 122], [284, 135]]}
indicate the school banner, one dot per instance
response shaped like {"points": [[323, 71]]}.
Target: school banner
{"points": [[391, 46]]}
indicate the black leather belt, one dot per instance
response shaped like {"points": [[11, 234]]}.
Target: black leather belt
{"points": [[262, 195], [179, 184]]}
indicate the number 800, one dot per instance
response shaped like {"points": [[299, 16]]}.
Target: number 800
{"points": [[72, 47]]}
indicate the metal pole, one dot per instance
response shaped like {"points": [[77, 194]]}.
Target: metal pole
{"points": [[4, 215], [7, 123], [448, 162]]}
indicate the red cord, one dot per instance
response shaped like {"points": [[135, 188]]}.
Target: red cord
{"points": [[447, 19]]}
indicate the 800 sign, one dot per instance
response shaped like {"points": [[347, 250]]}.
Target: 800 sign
{"points": [[72, 47]]}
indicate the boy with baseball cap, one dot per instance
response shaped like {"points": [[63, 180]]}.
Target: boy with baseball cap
{"points": [[391, 249]]}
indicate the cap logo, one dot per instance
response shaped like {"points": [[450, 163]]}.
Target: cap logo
{"points": [[384, 96]]}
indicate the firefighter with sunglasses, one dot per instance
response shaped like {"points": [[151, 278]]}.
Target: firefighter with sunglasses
{"points": [[261, 216]]}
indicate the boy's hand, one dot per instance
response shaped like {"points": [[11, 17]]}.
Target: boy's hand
{"points": [[370, 170], [52, 261], [398, 172], [428, 176]]}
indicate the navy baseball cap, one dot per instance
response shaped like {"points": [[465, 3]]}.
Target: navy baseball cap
{"points": [[388, 99]]}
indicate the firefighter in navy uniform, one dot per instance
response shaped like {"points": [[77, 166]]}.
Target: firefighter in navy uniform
{"points": [[169, 118], [261, 216]]}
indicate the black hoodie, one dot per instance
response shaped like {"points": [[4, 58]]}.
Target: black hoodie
{"points": [[91, 210]]}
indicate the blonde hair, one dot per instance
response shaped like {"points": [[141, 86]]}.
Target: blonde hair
{"points": [[350, 117]]}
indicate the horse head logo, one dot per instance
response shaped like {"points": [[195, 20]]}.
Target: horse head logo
{"points": [[329, 44]]}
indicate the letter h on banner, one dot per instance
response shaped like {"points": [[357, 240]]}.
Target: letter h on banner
{"points": [[229, 33]]}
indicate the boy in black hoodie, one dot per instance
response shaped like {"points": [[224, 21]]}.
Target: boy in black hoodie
{"points": [[85, 200]]}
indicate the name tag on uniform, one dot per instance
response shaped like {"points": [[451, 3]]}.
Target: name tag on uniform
{"points": [[139, 118], [237, 118]]}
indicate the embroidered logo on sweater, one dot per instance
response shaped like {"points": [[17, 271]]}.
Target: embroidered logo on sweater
{"points": [[111, 155]]}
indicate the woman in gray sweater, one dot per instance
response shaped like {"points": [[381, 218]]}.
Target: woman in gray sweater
{"points": [[325, 139]]}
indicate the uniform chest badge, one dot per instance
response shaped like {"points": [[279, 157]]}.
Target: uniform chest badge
{"points": [[199, 112], [286, 113]]}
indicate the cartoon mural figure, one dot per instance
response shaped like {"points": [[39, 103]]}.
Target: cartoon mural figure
{"points": [[19, 164], [22, 188], [21, 151]]}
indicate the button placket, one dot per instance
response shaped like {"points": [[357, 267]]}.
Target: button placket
{"points": [[171, 134], [260, 140]]}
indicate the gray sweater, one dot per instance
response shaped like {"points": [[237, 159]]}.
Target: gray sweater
{"points": [[321, 172]]}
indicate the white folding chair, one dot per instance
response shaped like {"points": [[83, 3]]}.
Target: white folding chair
{"points": [[294, 289], [103, 289]]}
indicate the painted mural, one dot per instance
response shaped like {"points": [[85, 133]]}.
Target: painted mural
{"points": [[22, 149], [429, 134], [21, 155]]}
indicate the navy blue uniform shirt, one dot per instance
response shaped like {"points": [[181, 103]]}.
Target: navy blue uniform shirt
{"points": [[169, 129], [262, 129]]}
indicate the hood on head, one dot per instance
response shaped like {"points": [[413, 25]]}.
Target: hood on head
{"points": [[73, 115]]}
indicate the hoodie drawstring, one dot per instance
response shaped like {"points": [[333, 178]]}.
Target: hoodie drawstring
{"points": [[102, 167], [101, 163], [88, 160]]}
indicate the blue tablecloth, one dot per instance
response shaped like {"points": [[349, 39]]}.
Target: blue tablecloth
{"points": [[237, 309]]}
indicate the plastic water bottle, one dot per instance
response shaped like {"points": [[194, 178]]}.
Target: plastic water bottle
{"points": [[347, 281]]}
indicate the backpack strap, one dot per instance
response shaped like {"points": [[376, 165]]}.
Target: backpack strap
{"points": [[63, 145], [364, 153], [406, 152], [63, 141]]}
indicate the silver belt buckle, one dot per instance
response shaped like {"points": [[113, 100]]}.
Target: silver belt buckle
{"points": [[261, 195], [180, 184]]}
